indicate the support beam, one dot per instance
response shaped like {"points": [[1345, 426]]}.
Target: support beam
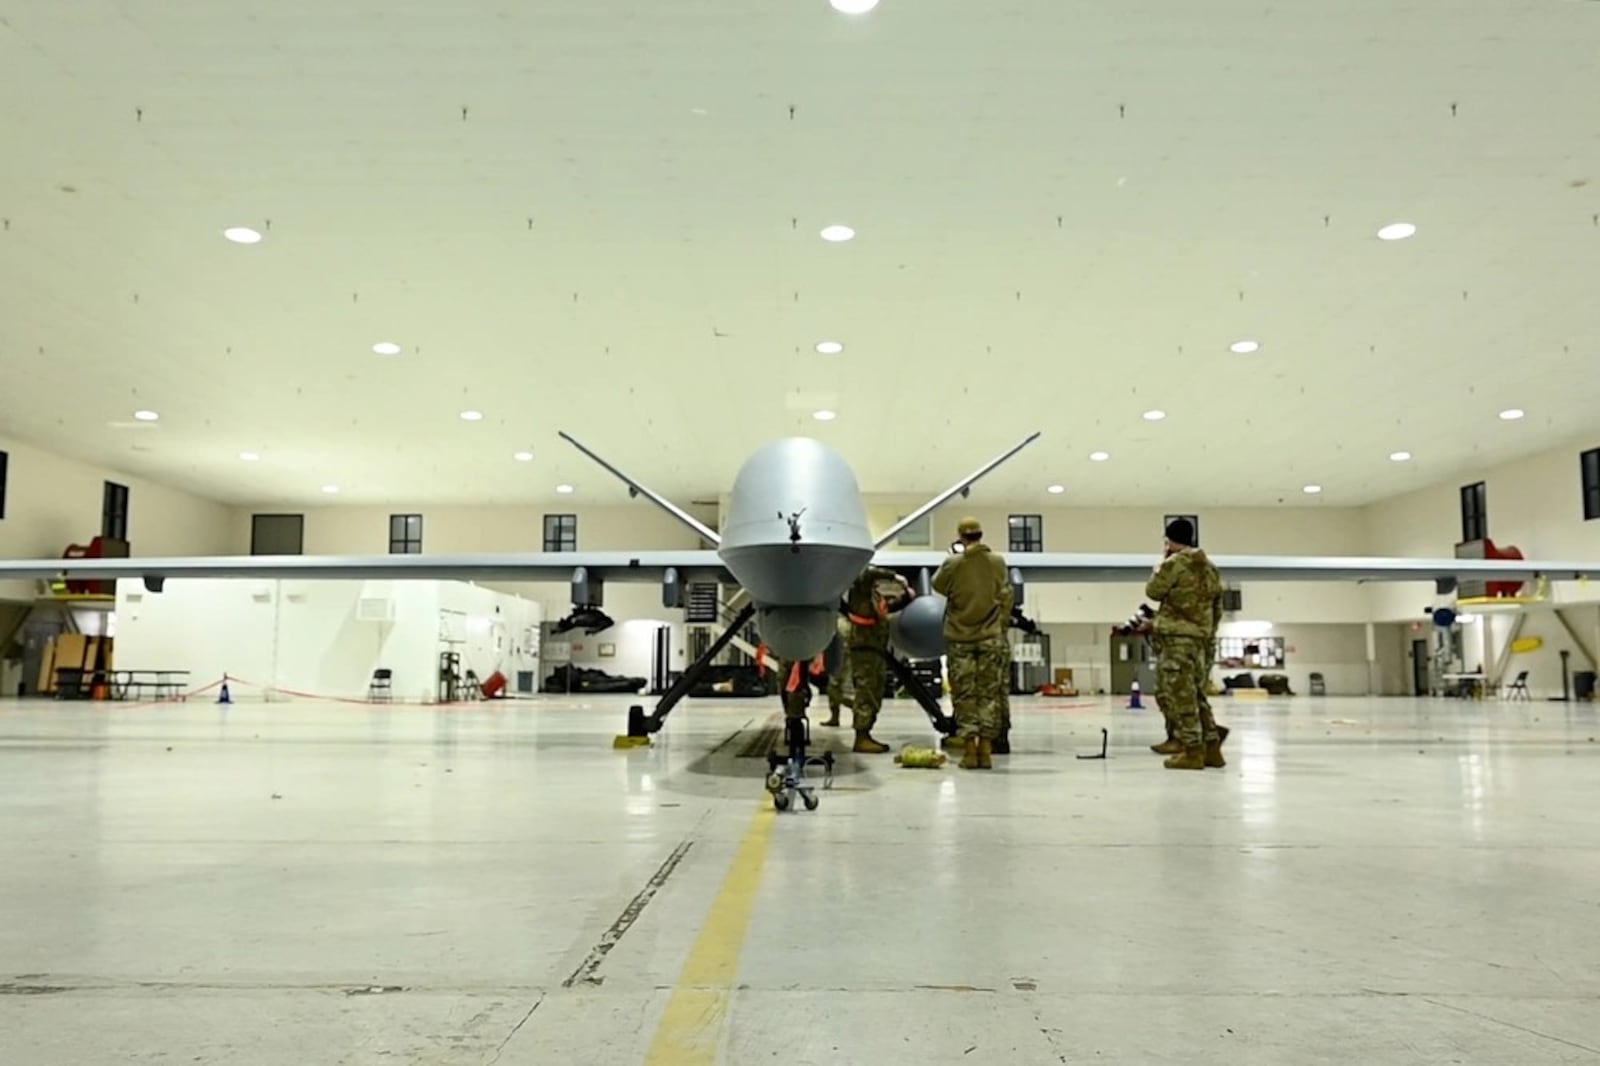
{"points": [[1503, 660], [1577, 641]]}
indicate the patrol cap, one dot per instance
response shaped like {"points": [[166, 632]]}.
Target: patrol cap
{"points": [[968, 526]]}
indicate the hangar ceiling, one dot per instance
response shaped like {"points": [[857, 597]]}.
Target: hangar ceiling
{"points": [[606, 218]]}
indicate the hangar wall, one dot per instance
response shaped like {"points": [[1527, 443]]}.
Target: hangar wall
{"points": [[52, 502], [1302, 530], [638, 525], [1534, 503], [324, 638]]}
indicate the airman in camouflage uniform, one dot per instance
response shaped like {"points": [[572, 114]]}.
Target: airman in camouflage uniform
{"points": [[868, 612], [794, 685], [840, 677], [977, 591], [1189, 590]]}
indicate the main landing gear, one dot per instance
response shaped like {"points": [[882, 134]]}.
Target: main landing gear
{"points": [[641, 725]]}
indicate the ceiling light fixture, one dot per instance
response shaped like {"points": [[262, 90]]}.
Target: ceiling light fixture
{"points": [[472, 416], [1399, 457], [146, 416], [853, 7], [1154, 416], [1099, 457], [242, 235], [830, 347], [250, 457], [1312, 490], [837, 233], [386, 348], [1056, 490], [1397, 231], [565, 490], [1244, 347], [523, 457], [331, 490], [824, 416], [1511, 414]]}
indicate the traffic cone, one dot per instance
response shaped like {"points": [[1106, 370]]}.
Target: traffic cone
{"points": [[1133, 700]]}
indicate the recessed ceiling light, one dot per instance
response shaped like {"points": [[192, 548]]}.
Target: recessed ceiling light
{"points": [[146, 416], [1311, 490], [1396, 231], [1056, 490], [824, 416], [1511, 414], [853, 7], [1154, 416], [472, 416], [565, 490], [837, 233], [830, 347], [1244, 347], [242, 235], [386, 348], [330, 489], [250, 457], [1099, 457], [523, 457], [1399, 457]]}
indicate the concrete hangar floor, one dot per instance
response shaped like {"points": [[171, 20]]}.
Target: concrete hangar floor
{"points": [[1368, 881]]}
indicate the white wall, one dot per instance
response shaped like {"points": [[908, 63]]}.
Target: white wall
{"points": [[1301, 530], [310, 637], [1534, 504], [52, 502]]}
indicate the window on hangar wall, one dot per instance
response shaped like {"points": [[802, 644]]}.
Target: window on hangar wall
{"points": [[1026, 533], [114, 512], [277, 534], [1588, 463], [560, 532], [918, 534], [1474, 512], [405, 534]]}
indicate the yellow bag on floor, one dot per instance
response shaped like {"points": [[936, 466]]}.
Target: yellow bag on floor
{"points": [[921, 758]]}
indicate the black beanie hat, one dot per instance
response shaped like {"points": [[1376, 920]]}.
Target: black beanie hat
{"points": [[1181, 531]]}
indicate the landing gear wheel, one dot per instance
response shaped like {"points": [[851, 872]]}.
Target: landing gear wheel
{"points": [[810, 801], [780, 800]]}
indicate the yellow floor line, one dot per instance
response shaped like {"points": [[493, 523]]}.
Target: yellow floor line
{"points": [[690, 1031]]}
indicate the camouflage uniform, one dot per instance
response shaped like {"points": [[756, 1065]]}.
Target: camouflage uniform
{"points": [[1189, 589], [840, 677], [977, 590], [867, 645], [796, 699]]}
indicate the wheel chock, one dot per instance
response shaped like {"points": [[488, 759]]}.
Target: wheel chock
{"points": [[627, 743]]}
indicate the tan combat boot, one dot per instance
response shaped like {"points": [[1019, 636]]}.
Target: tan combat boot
{"points": [[833, 717], [865, 745], [969, 761], [985, 753], [1190, 759], [1171, 746], [1214, 759]]}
